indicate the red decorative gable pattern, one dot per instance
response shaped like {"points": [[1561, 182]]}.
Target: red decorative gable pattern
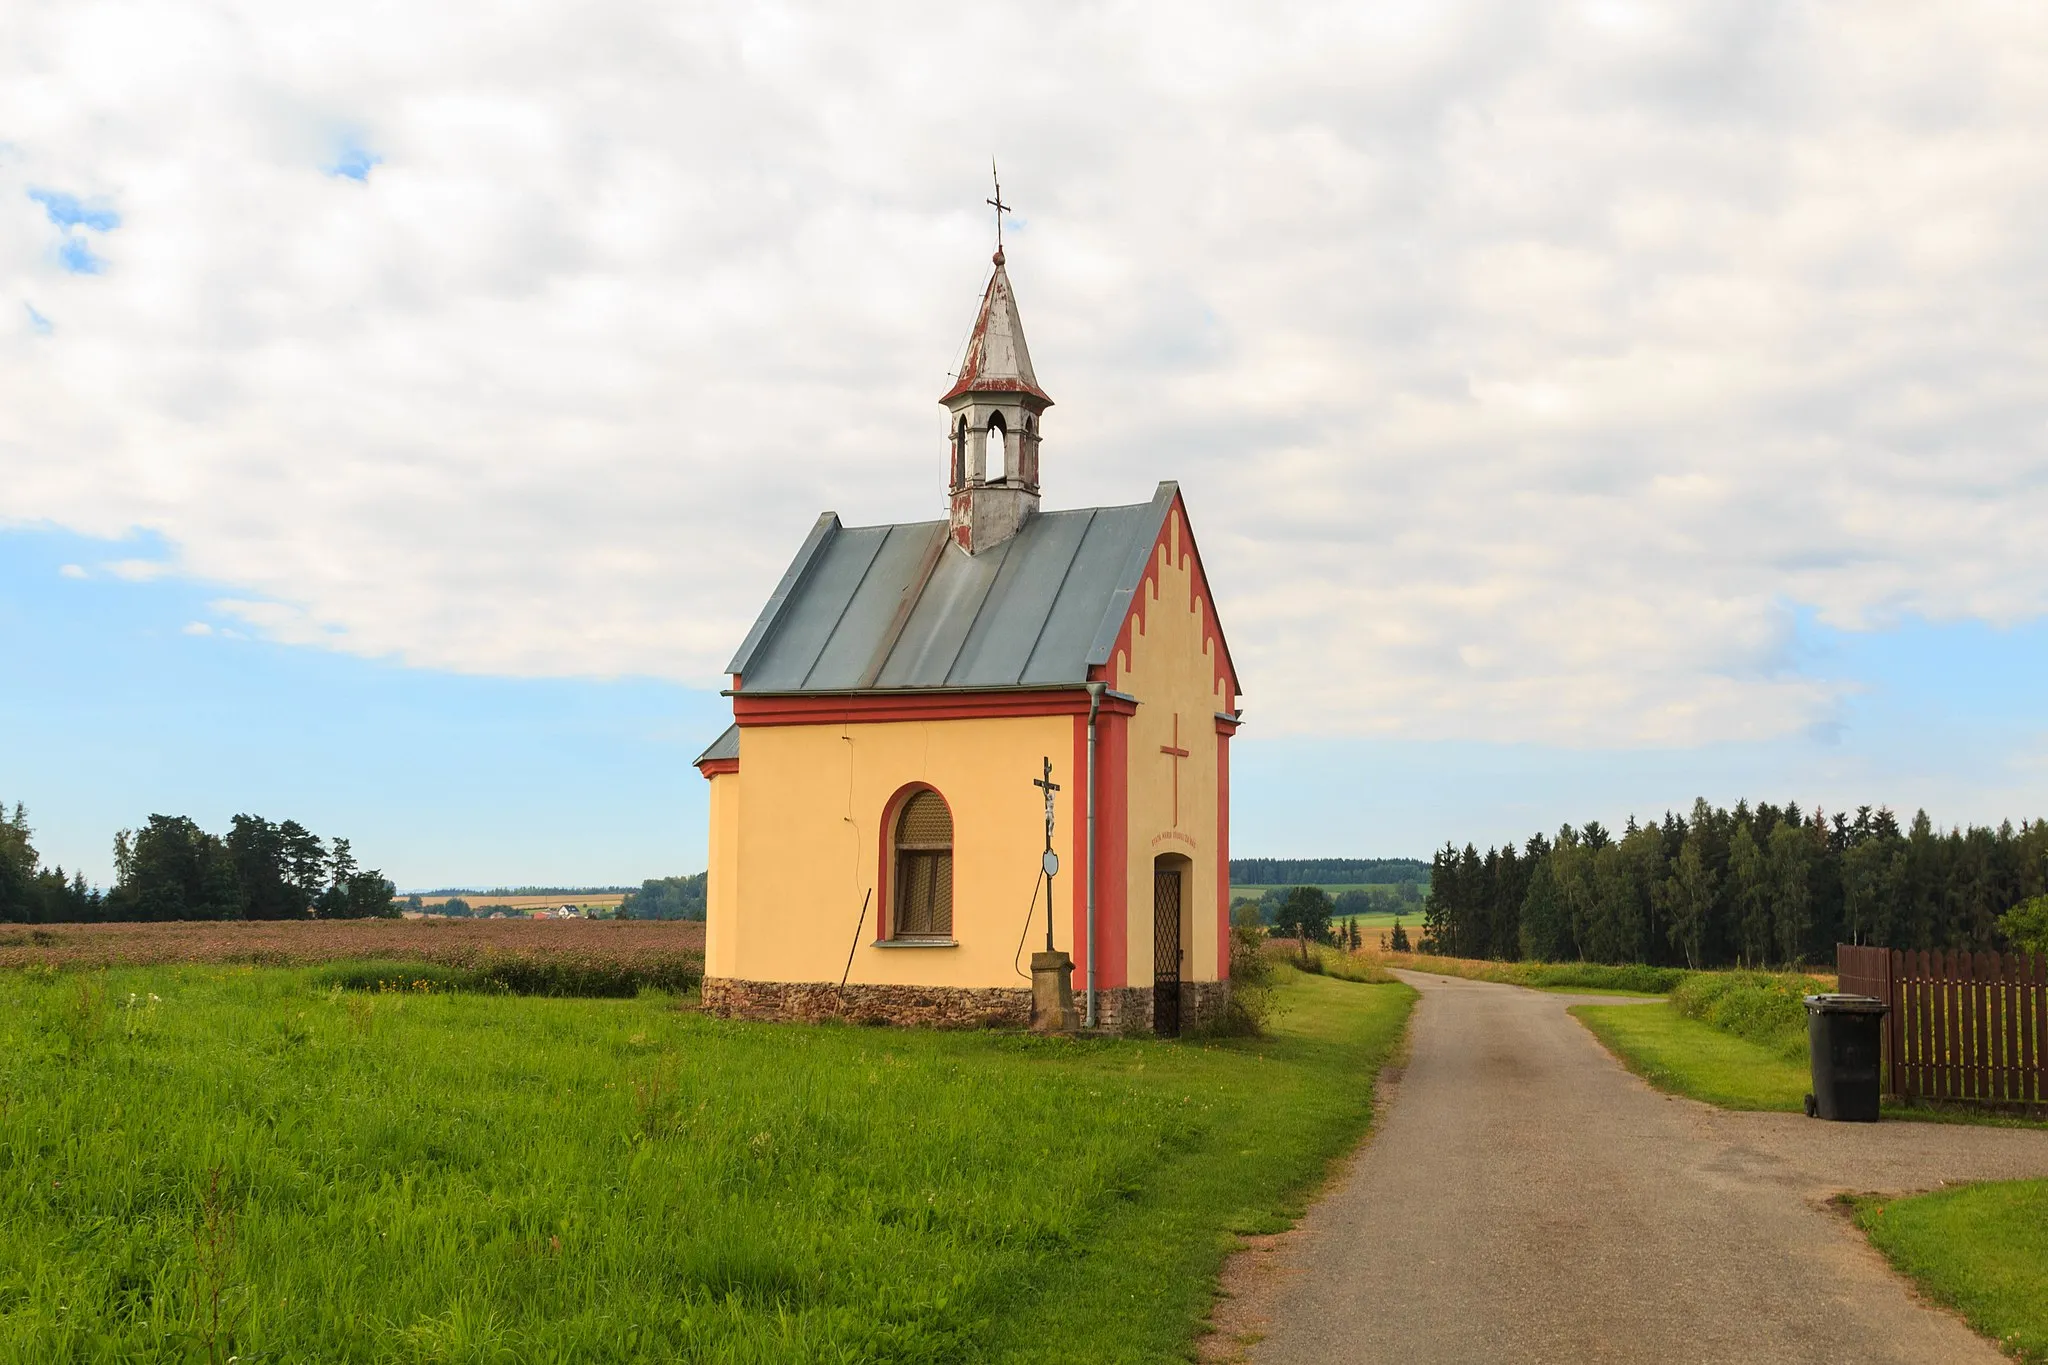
{"points": [[1199, 599]]}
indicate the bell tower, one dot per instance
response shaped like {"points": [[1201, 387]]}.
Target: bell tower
{"points": [[992, 413]]}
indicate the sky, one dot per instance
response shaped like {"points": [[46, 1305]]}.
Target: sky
{"points": [[1581, 408]]}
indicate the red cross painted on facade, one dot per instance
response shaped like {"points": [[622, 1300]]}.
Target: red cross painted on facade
{"points": [[1177, 753]]}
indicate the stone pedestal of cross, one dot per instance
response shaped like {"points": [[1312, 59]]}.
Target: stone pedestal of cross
{"points": [[1052, 972]]}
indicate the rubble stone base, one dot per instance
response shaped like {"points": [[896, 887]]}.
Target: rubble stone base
{"points": [[1128, 1009], [910, 1006], [1118, 1009]]}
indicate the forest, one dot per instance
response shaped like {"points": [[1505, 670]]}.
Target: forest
{"points": [[667, 898], [1326, 871], [1750, 886], [171, 869]]}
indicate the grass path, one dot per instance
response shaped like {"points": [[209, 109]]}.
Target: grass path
{"points": [[194, 1160]]}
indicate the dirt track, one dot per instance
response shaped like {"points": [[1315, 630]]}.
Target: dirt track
{"points": [[1526, 1199]]}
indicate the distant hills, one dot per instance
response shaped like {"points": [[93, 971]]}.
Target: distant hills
{"points": [[1326, 871], [522, 891]]}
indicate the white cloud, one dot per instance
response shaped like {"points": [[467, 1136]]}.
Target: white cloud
{"points": [[72, 571], [197, 628], [138, 570], [1526, 366]]}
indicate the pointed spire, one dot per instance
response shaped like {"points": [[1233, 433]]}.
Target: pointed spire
{"points": [[997, 360], [993, 411]]}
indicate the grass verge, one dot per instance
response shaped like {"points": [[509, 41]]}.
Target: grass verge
{"points": [[1323, 960], [1981, 1249], [205, 1161], [517, 974], [1625, 979], [1690, 1057], [1685, 1055]]}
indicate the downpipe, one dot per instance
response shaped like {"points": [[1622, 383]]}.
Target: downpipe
{"points": [[1095, 690]]}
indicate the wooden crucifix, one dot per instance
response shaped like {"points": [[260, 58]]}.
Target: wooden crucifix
{"points": [[1176, 753], [1051, 861]]}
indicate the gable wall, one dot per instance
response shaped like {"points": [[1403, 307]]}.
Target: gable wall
{"points": [[1171, 657]]}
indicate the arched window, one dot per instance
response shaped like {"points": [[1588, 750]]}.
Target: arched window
{"points": [[924, 868], [960, 452], [995, 465]]}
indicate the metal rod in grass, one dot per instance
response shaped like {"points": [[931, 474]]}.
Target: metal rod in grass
{"points": [[854, 947]]}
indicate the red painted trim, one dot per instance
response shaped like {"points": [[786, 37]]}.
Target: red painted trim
{"points": [[1223, 851], [880, 707], [1225, 670], [1077, 882], [1227, 726], [714, 767], [885, 859], [1113, 847]]}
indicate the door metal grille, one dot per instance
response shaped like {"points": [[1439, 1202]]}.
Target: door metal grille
{"points": [[1166, 952]]}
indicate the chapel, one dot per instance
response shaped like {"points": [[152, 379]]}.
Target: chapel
{"points": [[978, 749]]}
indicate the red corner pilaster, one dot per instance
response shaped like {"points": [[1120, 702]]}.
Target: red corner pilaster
{"points": [[1226, 726], [1113, 848]]}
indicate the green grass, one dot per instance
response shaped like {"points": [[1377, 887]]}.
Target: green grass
{"points": [[1324, 960], [1686, 1055], [558, 975], [1765, 1008], [1981, 1249], [439, 1176], [1676, 1053], [1600, 977]]}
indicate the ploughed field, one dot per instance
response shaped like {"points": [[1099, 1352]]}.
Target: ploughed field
{"points": [[644, 951], [215, 1161]]}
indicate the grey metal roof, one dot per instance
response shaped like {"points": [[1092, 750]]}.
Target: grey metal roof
{"points": [[871, 608], [726, 745]]}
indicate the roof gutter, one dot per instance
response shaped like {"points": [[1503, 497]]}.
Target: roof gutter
{"points": [[1098, 691]]}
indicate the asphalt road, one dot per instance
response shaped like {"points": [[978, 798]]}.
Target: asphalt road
{"points": [[1526, 1199]]}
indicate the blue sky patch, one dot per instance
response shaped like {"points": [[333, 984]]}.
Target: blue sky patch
{"points": [[154, 702], [149, 700], [76, 256], [37, 323], [69, 211], [353, 161]]}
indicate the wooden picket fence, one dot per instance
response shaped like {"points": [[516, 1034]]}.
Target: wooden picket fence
{"points": [[1962, 1026]]}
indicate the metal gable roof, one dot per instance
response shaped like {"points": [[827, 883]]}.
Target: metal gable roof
{"points": [[880, 608], [726, 746]]}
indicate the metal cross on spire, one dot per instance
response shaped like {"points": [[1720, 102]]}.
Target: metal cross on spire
{"points": [[997, 203]]}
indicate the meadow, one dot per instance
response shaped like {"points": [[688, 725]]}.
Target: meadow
{"points": [[206, 1162]]}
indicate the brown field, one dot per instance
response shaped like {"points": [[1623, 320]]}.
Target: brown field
{"points": [[290, 943], [608, 900]]}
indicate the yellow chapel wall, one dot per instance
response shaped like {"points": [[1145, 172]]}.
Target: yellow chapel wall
{"points": [[721, 890], [1172, 669], [810, 848]]}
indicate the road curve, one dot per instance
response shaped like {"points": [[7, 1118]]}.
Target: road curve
{"points": [[1524, 1198]]}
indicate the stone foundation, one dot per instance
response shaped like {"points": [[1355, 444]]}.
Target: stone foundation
{"points": [[1118, 1009], [1128, 1009], [911, 1006]]}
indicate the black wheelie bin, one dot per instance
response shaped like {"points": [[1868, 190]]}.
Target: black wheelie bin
{"points": [[1845, 1038]]}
